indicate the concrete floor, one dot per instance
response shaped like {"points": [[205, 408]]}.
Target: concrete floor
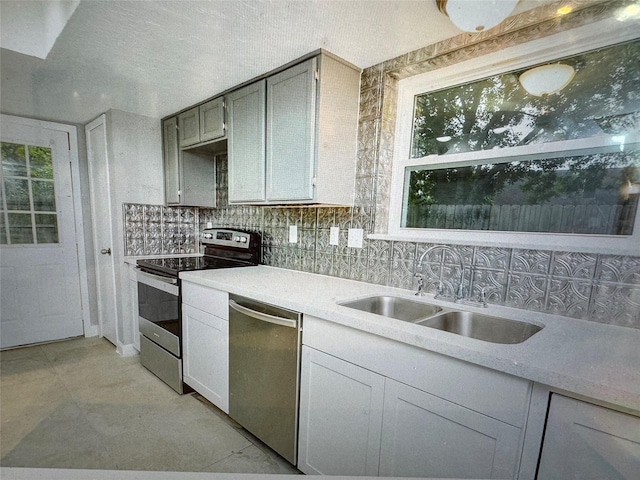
{"points": [[78, 404]]}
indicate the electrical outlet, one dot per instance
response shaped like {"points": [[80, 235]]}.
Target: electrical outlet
{"points": [[354, 238], [334, 236], [293, 234]]}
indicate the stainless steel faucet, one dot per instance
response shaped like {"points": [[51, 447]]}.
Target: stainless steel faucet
{"points": [[460, 293], [460, 290]]}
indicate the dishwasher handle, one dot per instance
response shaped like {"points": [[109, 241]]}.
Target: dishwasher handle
{"points": [[265, 317]]}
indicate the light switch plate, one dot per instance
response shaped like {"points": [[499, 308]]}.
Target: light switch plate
{"points": [[334, 236], [355, 238], [293, 234]]}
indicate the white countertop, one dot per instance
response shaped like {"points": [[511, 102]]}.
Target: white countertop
{"points": [[599, 362]]}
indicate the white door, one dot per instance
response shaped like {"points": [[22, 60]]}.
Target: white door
{"points": [[98, 159], [39, 275]]}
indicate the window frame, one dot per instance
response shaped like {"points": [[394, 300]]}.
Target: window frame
{"points": [[579, 40]]}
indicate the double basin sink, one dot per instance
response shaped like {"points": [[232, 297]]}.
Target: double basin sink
{"points": [[468, 324]]}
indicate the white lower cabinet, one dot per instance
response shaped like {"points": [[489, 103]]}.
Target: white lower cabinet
{"points": [[205, 347], [426, 436], [585, 441], [340, 416], [373, 406], [357, 422]]}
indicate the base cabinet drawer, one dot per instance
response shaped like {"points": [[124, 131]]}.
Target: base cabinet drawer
{"points": [[589, 442]]}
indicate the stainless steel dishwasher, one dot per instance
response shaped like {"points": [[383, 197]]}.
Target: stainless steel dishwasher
{"points": [[264, 360]]}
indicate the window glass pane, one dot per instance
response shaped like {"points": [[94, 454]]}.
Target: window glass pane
{"points": [[14, 161], [41, 162], [17, 192], [46, 228], [43, 195], [497, 112], [588, 194], [3, 230], [20, 230]]}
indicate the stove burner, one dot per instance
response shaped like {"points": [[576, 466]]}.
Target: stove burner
{"points": [[223, 249], [173, 265]]}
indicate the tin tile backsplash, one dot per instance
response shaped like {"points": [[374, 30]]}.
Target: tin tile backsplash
{"points": [[601, 288]]}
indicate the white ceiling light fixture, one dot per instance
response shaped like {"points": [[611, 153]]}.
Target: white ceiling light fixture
{"points": [[546, 79], [476, 15]]}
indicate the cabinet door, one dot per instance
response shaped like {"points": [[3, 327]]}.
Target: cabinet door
{"points": [[206, 355], [584, 441], [171, 154], [212, 119], [291, 122], [426, 436], [189, 127], [340, 416], [246, 143]]}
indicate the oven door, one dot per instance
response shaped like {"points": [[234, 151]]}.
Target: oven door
{"points": [[159, 310], [159, 321]]}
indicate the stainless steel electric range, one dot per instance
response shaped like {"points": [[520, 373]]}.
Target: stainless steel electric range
{"points": [[159, 296]]}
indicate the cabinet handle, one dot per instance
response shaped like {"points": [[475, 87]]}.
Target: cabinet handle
{"points": [[105, 251]]}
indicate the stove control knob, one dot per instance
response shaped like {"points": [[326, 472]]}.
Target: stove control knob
{"points": [[236, 238], [243, 239], [207, 235]]}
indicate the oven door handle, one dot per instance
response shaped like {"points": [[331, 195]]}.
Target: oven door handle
{"points": [[169, 285], [265, 317]]}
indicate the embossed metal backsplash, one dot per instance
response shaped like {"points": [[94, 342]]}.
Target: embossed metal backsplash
{"points": [[601, 288]]}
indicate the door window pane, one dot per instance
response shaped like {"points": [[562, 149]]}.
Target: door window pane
{"points": [[20, 230], [43, 196], [28, 189], [46, 228], [40, 162], [14, 160], [17, 192]]}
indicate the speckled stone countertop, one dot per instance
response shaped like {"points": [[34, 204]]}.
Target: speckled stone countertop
{"points": [[599, 362]]}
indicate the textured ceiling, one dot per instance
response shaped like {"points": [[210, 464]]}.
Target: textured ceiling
{"points": [[157, 57]]}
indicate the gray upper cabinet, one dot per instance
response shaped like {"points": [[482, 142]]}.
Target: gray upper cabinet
{"points": [[189, 128], [171, 154], [308, 145], [291, 115], [202, 123], [189, 175], [212, 119], [246, 143]]}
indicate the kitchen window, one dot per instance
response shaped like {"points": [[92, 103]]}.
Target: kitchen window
{"points": [[483, 156]]}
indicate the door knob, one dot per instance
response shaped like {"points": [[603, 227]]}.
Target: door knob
{"points": [[105, 251]]}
